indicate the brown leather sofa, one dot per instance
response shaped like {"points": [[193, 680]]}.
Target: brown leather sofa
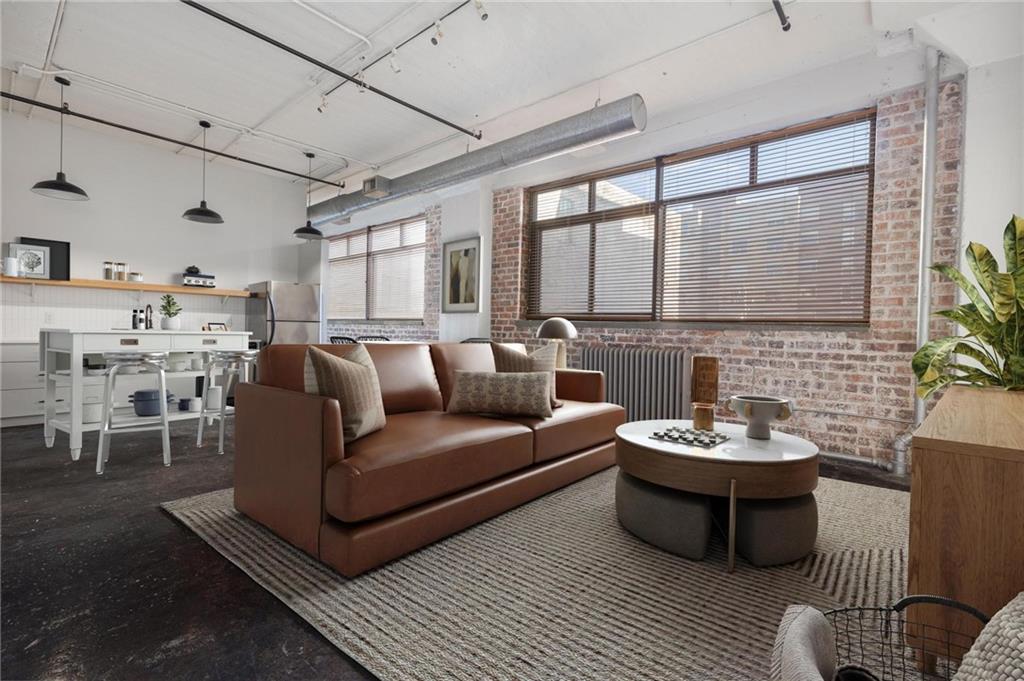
{"points": [[427, 474]]}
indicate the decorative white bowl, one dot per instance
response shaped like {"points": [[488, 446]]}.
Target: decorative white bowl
{"points": [[760, 411]]}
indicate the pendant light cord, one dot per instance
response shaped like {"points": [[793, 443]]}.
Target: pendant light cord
{"points": [[204, 164], [63, 106]]}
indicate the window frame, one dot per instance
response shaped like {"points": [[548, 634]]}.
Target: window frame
{"points": [[367, 258], [657, 207]]}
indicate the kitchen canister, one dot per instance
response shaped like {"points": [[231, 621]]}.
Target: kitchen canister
{"points": [[213, 395], [195, 404], [147, 402], [92, 412], [185, 403], [12, 268]]}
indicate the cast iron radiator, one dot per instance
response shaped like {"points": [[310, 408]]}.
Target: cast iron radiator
{"points": [[650, 383]]}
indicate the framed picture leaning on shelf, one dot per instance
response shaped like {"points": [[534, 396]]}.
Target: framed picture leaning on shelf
{"points": [[33, 260]]}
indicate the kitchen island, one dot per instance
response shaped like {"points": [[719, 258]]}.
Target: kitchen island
{"points": [[61, 358]]}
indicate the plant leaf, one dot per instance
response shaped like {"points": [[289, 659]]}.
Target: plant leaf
{"points": [[972, 292], [926, 389], [978, 356], [931, 360], [1013, 243], [968, 317], [983, 265], [1008, 288], [1015, 364]]}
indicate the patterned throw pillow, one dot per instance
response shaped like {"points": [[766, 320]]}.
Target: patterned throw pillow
{"points": [[352, 380], [510, 360], [512, 394]]}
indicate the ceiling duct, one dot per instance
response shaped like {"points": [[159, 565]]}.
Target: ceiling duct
{"points": [[616, 119]]}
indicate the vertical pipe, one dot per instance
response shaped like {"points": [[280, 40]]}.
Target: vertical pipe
{"points": [[924, 286]]}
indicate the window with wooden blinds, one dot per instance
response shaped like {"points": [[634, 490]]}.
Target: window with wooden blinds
{"points": [[771, 228], [378, 273]]}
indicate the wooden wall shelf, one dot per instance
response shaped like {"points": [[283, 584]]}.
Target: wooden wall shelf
{"points": [[140, 286]]}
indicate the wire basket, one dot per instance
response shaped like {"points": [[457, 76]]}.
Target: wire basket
{"points": [[895, 647]]}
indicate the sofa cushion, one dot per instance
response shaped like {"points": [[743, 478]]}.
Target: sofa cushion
{"points": [[352, 380], [511, 360], [405, 371], [420, 456], [451, 357], [576, 426], [487, 392]]}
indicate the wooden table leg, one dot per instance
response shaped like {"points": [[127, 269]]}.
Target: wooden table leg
{"points": [[732, 525]]}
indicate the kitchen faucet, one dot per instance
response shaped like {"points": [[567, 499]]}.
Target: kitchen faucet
{"points": [[149, 316]]}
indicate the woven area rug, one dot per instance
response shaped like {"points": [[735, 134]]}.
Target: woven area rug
{"points": [[556, 589]]}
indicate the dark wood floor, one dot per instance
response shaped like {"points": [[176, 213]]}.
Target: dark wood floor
{"points": [[98, 582]]}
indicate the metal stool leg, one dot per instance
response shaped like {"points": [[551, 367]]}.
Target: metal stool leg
{"points": [[203, 407], [165, 422], [227, 374], [103, 450]]}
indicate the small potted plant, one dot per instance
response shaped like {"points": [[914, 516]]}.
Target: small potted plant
{"points": [[993, 320], [170, 310]]}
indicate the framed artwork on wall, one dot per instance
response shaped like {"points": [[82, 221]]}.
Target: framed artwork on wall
{"points": [[60, 256], [34, 261], [460, 276]]}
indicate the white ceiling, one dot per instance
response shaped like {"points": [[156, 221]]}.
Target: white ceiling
{"points": [[494, 75]]}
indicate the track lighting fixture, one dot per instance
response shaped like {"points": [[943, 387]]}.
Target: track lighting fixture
{"points": [[481, 10], [60, 188], [322, 108], [436, 38], [202, 213], [360, 83], [308, 231], [393, 61]]}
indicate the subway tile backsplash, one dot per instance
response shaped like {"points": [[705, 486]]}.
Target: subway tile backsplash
{"points": [[25, 309]]}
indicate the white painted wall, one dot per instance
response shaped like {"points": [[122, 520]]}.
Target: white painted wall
{"points": [[137, 195], [993, 171], [463, 216], [465, 212]]}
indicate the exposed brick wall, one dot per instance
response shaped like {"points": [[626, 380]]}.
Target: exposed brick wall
{"points": [[408, 331], [853, 388]]}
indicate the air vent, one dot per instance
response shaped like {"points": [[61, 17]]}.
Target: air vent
{"points": [[377, 187]]}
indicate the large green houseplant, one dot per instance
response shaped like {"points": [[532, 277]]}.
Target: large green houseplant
{"points": [[994, 320]]}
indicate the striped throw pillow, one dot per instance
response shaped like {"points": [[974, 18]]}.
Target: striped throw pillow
{"points": [[352, 380], [510, 360]]}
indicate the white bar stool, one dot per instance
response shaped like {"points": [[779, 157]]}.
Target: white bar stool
{"points": [[232, 364], [146, 362]]}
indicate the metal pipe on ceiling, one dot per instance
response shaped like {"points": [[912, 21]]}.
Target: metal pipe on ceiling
{"points": [[402, 44], [326, 67], [58, 19], [137, 96], [603, 123], [163, 138]]}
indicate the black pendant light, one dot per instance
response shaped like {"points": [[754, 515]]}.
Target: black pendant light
{"points": [[201, 213], [61, 188], [308, 231]]}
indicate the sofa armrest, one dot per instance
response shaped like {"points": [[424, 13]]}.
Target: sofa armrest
{"points": [[579, 385], [284, 443]]}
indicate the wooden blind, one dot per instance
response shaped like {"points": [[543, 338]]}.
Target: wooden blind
{"points": [[776, 227], [378, 273]]}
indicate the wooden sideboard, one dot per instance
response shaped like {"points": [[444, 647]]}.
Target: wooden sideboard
{"points": [[967, 504]]}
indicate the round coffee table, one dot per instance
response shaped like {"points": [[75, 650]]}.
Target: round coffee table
{"points": [[783, 467]]}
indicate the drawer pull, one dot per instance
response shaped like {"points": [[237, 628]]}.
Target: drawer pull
{"points": [[59, 399], [129, 341], [209, 341]]}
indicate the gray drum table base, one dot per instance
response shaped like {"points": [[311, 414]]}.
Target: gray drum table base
{"points": [[776, 531], [678, 522]]}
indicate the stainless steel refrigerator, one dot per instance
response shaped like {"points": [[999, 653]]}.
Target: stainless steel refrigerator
{"points": [[283, 312]]}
